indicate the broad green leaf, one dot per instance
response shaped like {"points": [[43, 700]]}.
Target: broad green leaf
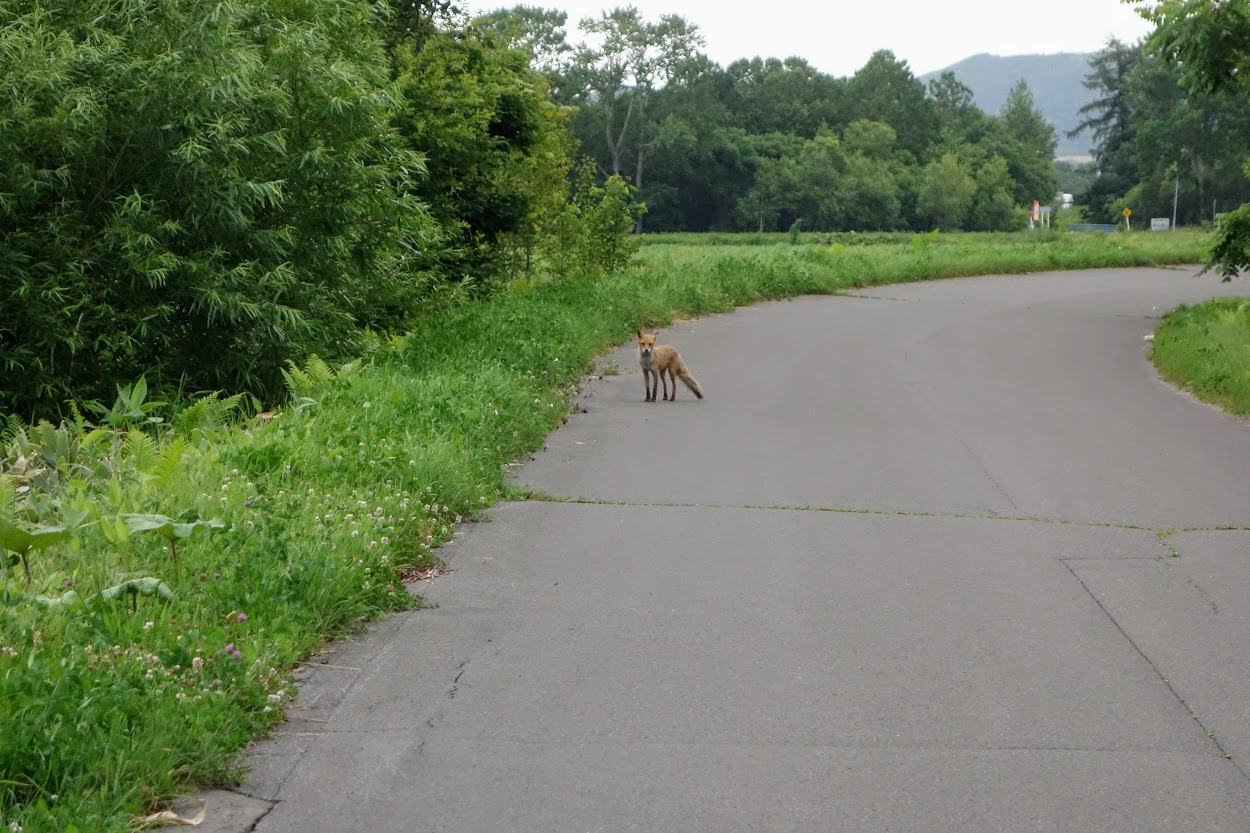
{"points": [[16, 539], [168, 528], [147, 586], [66, 601]]}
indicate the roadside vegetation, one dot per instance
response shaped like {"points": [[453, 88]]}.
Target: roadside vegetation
{"points": [[1205, 349]]}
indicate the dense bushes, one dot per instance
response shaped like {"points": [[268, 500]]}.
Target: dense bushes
{"points": [[199, 192], [202, 192]]}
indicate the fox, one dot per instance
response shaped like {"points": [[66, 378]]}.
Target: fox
{"points": [[658, 359]]}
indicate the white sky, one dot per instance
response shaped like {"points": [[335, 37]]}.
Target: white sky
{"points": [[839, 36]]}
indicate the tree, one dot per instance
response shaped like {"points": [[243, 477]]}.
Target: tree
{"points": [[539, 33], [957, 114], [196, 193], [885, 90], [619, 76], [1109, 118], [946, 192], [1210, 42], [1028, 147], [783, 96], [493, 144]]}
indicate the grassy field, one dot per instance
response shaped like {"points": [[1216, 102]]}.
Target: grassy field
{"points": [[1205, 349], [162, 579]]}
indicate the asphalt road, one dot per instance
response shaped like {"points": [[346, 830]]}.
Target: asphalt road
{"points": [[939, 557]]}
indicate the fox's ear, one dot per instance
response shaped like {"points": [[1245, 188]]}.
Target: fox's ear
{"points": [[639, 333]]}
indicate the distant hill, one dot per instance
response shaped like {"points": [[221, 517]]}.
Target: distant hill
{"points": [[1055, 81]]}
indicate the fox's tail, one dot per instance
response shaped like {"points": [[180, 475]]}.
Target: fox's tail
{"points": [[691, 382]]}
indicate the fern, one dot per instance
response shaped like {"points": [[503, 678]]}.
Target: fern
{"points": [[169, 460], [10, 425], [298, 383], [8, 496], [319, 370], [207, 414], [141, 451]]}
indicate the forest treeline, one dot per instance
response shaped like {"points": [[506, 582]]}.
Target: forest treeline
{"points": [[202, 192]]}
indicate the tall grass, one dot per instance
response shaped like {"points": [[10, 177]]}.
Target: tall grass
{"points": [[1205, 349], [113, 705]]}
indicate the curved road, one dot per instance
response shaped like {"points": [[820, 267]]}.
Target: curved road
{"points": [[937, 557]]}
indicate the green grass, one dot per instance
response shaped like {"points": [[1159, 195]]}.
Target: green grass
{"points": [[1205, 349], [112, 707]]}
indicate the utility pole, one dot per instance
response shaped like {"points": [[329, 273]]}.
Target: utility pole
{"points": [[1175, 195]]}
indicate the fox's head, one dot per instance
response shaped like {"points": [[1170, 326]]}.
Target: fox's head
{"points": [[646, 342]]}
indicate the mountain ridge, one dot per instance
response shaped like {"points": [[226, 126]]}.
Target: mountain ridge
{"points": [[1055, 79]]}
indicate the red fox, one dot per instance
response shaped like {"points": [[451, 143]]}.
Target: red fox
{"points": [[658, 359]]}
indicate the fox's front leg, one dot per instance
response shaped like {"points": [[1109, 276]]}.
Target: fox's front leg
{"points": [[646, 383]]}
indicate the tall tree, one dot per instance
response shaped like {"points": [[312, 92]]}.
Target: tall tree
{"points": [[1109, 118], [1210, 42], [620, 74], [885, 90], [1029, 146]]}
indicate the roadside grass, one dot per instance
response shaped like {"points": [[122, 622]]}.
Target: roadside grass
{"points": [[1205, 349], [291, 528]]}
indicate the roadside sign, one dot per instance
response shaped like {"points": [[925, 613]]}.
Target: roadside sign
{"points": [[1126, 212], [1160, 224]]}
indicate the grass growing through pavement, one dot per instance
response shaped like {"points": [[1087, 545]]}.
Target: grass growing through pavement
{"points": [[141, 653], [1205, 349]]}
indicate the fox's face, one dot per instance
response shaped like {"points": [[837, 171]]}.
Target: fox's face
{"points": [[646, 343]]}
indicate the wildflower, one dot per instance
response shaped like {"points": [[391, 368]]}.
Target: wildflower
{"points": [[355, 533], [147, 626], [385, 540], [242, 617], [412, 462], [373, 545], [249, 524], [274, 698], [203, 576], [197, 664], [364, 586]]}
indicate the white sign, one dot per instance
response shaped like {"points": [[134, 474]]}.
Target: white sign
{"points": [[1160, 224]]}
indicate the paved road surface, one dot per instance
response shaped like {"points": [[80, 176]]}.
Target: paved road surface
{"points": [[940, 557]]}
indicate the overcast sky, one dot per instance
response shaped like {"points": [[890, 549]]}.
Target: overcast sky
{"points": [[839, 36]]}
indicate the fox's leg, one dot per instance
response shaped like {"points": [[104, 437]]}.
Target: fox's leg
{"points": [[666, 381], [646, 383]]}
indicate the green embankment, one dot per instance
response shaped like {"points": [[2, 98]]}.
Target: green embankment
{"points": [[1205, 349], [119, 693]]}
